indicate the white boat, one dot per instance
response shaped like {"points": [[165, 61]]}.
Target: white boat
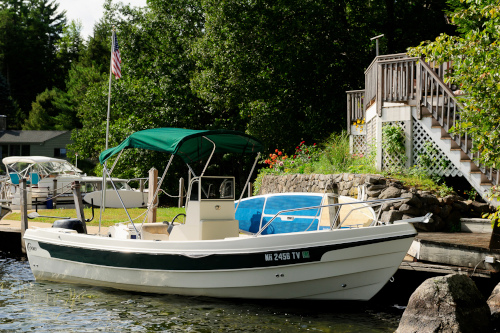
{"points": [[209, 256], [41, 172]]}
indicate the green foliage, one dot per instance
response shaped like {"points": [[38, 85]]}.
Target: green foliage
{"points": [[475, 55], [393, 142], [29, 33], [333, 157], [51, 111], [8, 106]]}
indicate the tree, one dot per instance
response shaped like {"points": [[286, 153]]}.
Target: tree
{"points": [[475, 55], [30, 31], [50, 111], [8, 106]]}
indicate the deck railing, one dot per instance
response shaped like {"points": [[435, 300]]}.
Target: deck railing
{"points": [[397, 81], [371, 75], [355, 107]]}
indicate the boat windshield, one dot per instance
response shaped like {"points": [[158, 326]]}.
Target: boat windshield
{"points": [[44, 169], [212, 188]]}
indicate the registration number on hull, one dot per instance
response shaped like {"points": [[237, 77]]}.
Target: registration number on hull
{"points": [[280, 256]]}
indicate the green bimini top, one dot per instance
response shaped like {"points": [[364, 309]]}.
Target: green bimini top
{"points": [[190, 145]]}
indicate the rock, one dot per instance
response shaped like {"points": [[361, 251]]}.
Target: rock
{"points": [[373, 193], [449, 199], [429, 199], [372, 179], [391, 216], [480, 207], [376, 187], [494, 304], [450, 303], [461, 206], [436, 223], [390, 192], [435, 209], [407, 209], [413, 199], [386, 206], [445, 211]]}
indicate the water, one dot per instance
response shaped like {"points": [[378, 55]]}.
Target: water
{"points": [[27, 306]]}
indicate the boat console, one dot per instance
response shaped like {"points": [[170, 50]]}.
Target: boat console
{"points": [[209, 210]]}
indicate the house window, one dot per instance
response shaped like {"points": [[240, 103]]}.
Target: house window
{"points": [[60, 152], [5, 151], [15, 150], [25, 150]]}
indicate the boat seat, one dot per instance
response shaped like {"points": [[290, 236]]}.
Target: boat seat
{"points": [[34, 178], [155, 231], [14, 178]]}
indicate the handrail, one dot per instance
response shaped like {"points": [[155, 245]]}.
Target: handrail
{"points": [[445, 108], [440, 82], [378, 201]]}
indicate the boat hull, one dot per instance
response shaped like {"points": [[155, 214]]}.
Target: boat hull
{"points": [[333, 265]]}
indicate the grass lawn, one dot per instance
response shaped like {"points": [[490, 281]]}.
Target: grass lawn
{"points": [[109, 217]]}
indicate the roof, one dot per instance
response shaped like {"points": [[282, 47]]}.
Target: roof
{"points": [[20, 136], [190, 145]]}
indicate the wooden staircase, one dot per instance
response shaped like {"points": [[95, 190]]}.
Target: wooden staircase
{"points": [[412, 83]]}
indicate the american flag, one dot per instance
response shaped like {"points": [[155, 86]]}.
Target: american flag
{"points": [[116, 60]]}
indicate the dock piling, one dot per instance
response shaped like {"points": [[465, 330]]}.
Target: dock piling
{"points": [[153, 184], [24, 212]]}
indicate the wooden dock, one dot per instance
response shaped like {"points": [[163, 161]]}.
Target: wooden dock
{"points": [[460, 252]]}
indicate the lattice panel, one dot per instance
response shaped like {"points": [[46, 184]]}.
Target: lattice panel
{"points": [[439, 164], [371, 128], [359, 144], [389, 161]]}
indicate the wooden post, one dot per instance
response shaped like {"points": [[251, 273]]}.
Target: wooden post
{"points": [[77, 196], [54, 194], [24, 212], [250, 189], [141, 185], [181, 192], [153, 184]]}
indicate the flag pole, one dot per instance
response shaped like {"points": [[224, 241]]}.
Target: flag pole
{"points": [[109, 90], [103, 189]]}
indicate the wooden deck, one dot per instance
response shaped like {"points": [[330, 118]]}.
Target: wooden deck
{"points": [[465, 240]]}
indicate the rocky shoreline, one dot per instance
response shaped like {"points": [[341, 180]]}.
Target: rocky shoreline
{"points": [[446, 210]]}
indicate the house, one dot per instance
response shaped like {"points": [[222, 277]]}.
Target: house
{"points": [[409, 93], [26, 143]]}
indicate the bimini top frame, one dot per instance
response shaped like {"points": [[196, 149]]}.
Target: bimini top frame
{"points": [[190, 145]]}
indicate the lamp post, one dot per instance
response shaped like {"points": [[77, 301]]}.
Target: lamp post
{"points": [[376, 43]]}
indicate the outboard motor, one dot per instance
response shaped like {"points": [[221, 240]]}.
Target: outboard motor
{"points": [[72, 224]]}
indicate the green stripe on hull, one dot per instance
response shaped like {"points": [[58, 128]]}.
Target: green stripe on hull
{"points": [[178, 262]]}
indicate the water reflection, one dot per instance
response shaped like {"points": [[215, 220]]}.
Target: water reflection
{"points": [[26, 306]]}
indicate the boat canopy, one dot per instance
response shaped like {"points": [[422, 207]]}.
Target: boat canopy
{"points": [[190, 145]]}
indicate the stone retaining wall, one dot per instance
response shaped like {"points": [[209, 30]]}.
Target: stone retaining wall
{"points": [[446, 211]]}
